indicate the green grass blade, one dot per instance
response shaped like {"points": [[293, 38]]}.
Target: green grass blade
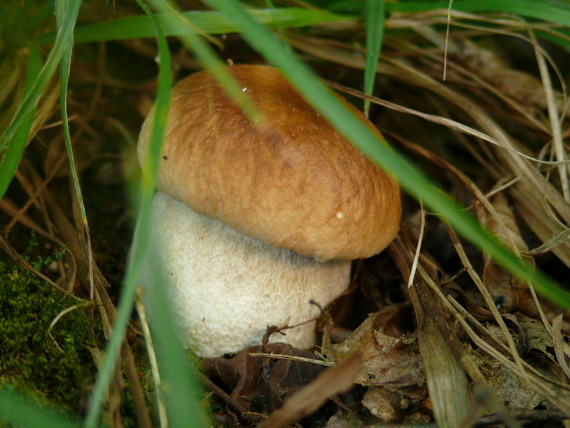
{"points": [[181, 392], [374, 36], [136, 27], [548, 10], [179, 385], [281, 29], [562, 38], [179, 24], [181, 396], [19, 411], [204, 53], [65, 66], [411, 179], [30, 99], [15, 148], [555, 12]]}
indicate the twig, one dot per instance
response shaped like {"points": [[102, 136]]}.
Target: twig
{"points": [[244, 413]]}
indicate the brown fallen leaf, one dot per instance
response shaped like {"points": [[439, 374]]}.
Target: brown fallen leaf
{"points": [[383, 404], [537, 338], [510, 389], [390, 356], [506, 289]]}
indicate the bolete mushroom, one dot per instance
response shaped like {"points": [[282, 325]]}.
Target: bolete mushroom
{"points": [[252, 221]]}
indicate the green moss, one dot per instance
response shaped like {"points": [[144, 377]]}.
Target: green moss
{"points": [[52, 365]]}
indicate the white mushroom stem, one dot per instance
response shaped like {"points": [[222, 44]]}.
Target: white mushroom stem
{"points": [[226, 288]]}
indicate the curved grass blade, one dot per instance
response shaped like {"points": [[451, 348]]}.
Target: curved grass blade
{"points": [[548, 10], [65, 67], [18, 410], [411, 179], [16, 147], [30, 99], [558, 13], [181, 394], [136, 27], [210, 60], [562, 39], [280, 29], [178, 381], [205, 54], [374, 36]]}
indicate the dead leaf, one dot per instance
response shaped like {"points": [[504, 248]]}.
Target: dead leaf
{"points": [[383, 404], [509, 388], [556, 240], [389, 355], [505, 288], [537, 338]]}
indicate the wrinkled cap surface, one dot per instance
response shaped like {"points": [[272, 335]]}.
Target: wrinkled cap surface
{"points": [[291, 181]]}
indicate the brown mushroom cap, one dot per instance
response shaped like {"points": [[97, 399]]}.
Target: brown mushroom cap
{"points": [[293, 182]]}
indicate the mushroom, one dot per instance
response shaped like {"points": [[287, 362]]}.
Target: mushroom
{"points": [[254, 221]]}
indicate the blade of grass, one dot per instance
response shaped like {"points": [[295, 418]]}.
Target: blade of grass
{"points": [[65, 66], [205, 54], [181, 394], [411, 179], [562, 38], [374, 35], [179, 386], [31, 97], [137, 27], [180, 389], [140, 242], [18, 410], [18, 144], [551, 11], [280, 28], [537, 9]]}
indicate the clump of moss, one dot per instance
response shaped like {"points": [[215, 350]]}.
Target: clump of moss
{"points": [[52, 365]]}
